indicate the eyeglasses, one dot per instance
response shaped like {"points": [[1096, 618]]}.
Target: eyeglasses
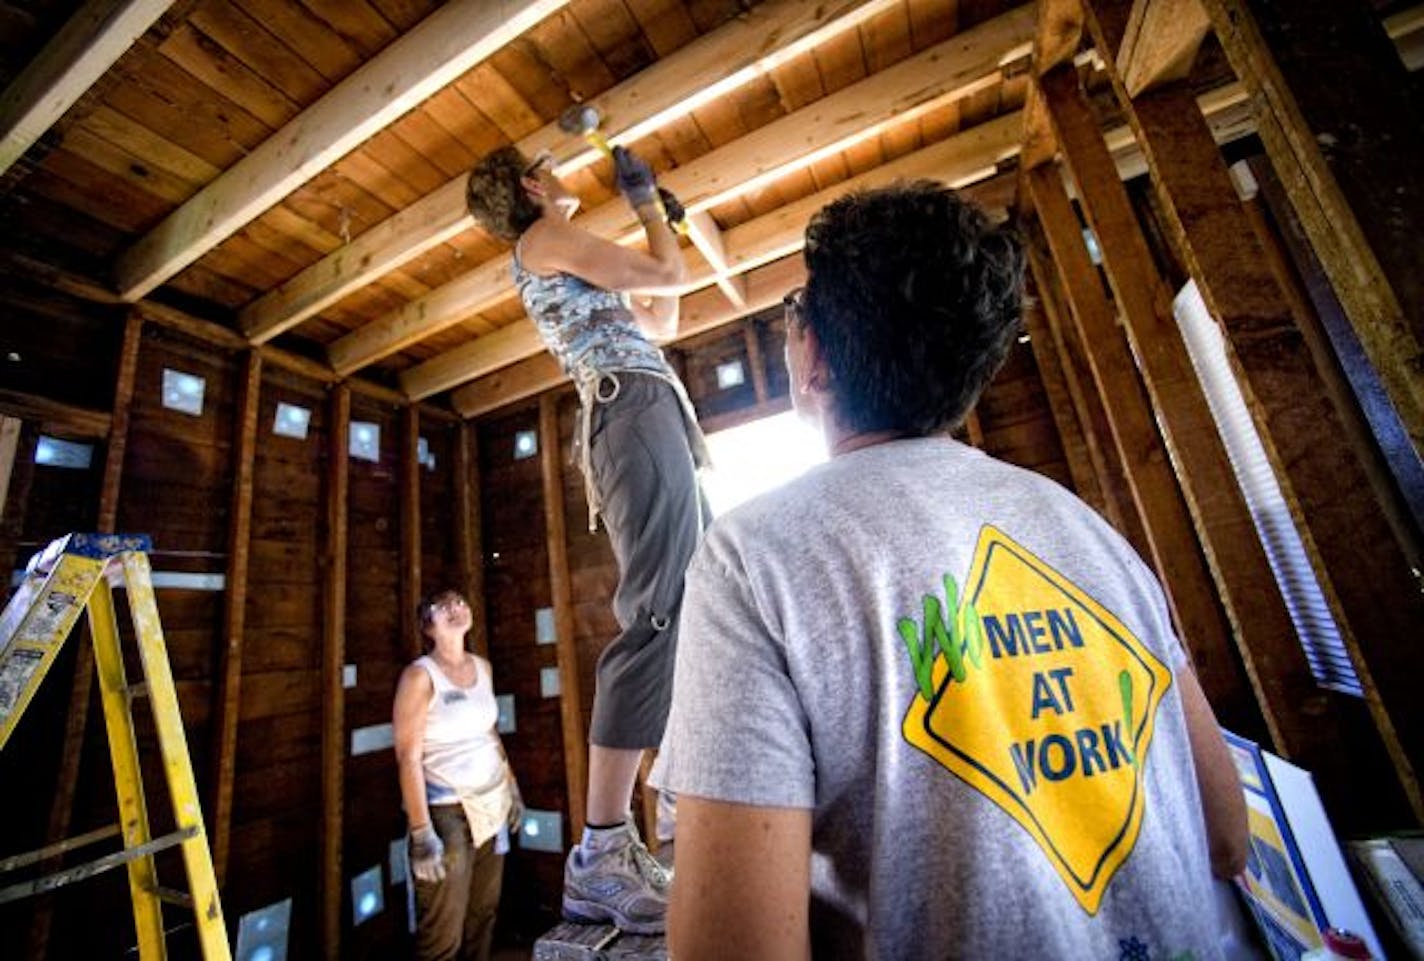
{"points": [[794, 304], [541, 159], [449, 605]]}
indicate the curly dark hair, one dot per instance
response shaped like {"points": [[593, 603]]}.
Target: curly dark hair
{"points": [[915, 299], [496, 198]]}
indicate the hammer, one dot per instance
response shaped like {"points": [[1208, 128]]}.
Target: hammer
{"points": [[584, 119]]}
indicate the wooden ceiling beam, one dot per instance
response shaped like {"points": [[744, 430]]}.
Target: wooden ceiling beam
{"points": [[438, 50], [956, 68], [1160, 43], [970, 155], [964, 160], [713, 65], [84, 49], [706, 236]]}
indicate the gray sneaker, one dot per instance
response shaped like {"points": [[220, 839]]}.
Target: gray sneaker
{"points": [[614, 880]]}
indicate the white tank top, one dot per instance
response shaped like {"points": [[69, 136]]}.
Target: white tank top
{"points": [[460, 751]]}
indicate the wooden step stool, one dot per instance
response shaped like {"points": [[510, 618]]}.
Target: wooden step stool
{"points": [[598, 942]]}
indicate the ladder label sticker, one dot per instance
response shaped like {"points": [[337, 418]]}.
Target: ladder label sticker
{"points": [[1038, 697], [15, 673], [51, 619]]}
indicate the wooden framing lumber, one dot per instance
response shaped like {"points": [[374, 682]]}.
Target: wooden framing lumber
{"points": [[9, 448], [56, 417], [410, 580], [1292, 703], [706, 236], [965, 156], [743, 49], [1160, 43], [80, 53], [1359, 197], [333, 659], [229, 700], [1170, 533], [1065, 342], [439, 49], [498, 372], [951, 70], [76, 719], [469, 533], [1065, 416], [561, 589], [1357, 558]]}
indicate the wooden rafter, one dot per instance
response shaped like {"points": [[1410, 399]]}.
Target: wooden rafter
{"points": [[1359, 198], [1161, 42], [85, 47], [706, 236], [961, 160], [965, 156], [1355, 554], [956, 68], [713, 65], [444, 45], [1170, 533]]}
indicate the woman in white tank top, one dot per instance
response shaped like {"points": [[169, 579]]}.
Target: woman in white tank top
{"points": [[459, 794]]}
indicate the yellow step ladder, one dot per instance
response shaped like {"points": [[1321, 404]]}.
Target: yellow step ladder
{"points": [[78, 573]]}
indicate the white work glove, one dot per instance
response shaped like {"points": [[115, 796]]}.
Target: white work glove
{"points": [[516, 807], [426, 855]]}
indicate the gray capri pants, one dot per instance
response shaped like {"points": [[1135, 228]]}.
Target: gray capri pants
{"points": [[652, 508]]}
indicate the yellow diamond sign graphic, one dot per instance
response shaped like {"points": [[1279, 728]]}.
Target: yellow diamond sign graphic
{"points": [[1053, 713]]}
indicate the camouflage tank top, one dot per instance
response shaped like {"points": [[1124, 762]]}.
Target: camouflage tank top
{"points": [[589, 330]]}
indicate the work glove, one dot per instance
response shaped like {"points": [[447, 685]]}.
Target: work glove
{"points": [[676, 213], [516, 806], [427, 855], [634, 177]]}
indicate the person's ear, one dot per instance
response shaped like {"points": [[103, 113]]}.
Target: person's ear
{"points": [[818, 374], [533, 187]]}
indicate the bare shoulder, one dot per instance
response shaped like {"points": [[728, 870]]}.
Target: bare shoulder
{"points": [[415, 680], [540, 244]]}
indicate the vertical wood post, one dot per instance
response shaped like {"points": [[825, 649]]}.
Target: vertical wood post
{"points": [[224, 750], [755, 361], [469, 532], [1295, 707], [1065, 417], [9, 448], [1078, 377], [61, 810], [1171, 537], [561, 589], [1357, 559], [333, 658], [410, 575], [1348, 154]]}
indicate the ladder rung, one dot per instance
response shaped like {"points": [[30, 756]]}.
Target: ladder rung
{"points": [[108, 862], [169, 896], [137, 690], [17, 861]]}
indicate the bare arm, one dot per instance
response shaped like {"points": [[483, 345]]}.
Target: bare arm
{"points": [[743, 882], [656, 316], [554, 245], [1223, 804], [413, 694]]}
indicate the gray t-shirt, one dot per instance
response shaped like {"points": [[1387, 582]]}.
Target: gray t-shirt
{"points": [[967, 676]]}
